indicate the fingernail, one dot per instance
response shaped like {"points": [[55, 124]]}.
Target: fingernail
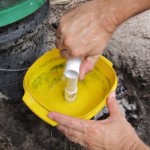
{"points": [[50, 115]]}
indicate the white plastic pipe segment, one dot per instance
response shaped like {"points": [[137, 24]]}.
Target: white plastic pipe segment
{"points": [[71, 73]]}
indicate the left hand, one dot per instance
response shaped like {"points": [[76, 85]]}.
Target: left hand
{"points": [[114, 133]]}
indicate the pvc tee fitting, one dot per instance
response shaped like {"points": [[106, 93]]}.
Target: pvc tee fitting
{"points": [[71, 73]]}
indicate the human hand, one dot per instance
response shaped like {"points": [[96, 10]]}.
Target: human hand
{"points": [[84, 32], [114, 133]]}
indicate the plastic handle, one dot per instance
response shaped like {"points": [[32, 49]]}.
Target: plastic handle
{"points": [[39, 110]]}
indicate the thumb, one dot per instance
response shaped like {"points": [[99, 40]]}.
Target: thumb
{"points": [[87, 65], [113, 106]]}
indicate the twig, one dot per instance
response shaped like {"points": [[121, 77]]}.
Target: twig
{"points": [[10, 143], [51, 134]]}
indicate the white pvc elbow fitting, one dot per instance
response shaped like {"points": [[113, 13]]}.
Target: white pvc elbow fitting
{"points": [[72, 73]]}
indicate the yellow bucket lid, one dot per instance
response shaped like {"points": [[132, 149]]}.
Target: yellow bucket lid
{"points": [[44, 86]]}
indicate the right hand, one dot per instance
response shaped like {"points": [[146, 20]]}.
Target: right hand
{"points": [[84, 32], [113, 133]]}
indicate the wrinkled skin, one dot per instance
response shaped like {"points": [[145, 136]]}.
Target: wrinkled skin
{"points": [[84, 32], [114, 133]]}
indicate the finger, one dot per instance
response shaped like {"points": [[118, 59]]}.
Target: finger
{"points": [[78, 141], [73, 135], [70, 122], [70, 133], [87, 65], [58, 33], [113, 106], [59, 44], [64, 54]]}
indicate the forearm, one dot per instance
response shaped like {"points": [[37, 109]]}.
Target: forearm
{"points": [[125, 9], [114, 12]]}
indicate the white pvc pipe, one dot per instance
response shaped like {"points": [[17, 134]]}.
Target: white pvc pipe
{"points": [[72, 73]]}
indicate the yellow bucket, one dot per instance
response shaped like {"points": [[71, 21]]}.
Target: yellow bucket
{"points": [[44, 88]]}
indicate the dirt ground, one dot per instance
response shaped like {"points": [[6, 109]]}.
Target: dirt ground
{"points": [[20, 129]]}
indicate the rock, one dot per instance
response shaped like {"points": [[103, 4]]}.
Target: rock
{"points": [[129, 48]]}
